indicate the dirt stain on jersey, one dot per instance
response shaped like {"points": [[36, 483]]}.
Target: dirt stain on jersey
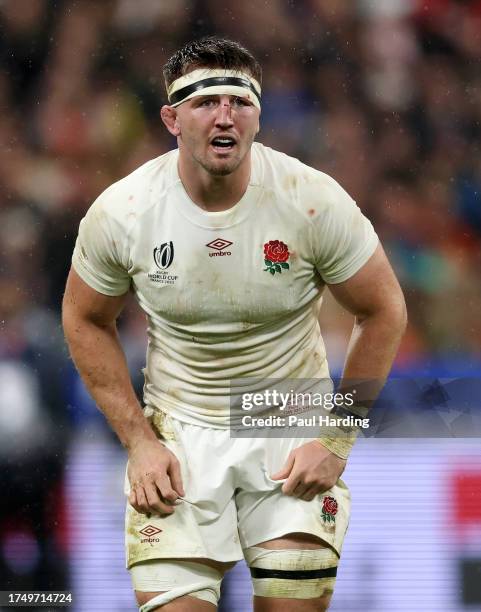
{"points": [[246, 326], [289, 182]]}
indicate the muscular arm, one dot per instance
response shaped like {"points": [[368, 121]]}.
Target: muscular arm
{"points": [[89, 321], [374, 297]]}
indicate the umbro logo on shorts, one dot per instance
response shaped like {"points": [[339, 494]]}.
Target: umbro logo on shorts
{"points": [[150, 531], [219, 244]]}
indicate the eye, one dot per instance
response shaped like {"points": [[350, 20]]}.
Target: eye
{"points": [[238, 101], [207, 102]]}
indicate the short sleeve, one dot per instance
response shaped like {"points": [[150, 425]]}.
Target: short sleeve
{"points": [[99, 254], [344, 239]]}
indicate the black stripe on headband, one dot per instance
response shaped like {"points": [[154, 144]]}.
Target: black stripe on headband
{"points": [[211, 82], [328, 572]]}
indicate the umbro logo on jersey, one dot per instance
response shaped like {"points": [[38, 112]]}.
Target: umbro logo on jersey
{"points": [[219, 244], [164, 255]]}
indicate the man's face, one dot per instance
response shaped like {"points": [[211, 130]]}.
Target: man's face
{"points": [[217, 131]]}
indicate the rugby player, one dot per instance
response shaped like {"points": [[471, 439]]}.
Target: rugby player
{"points": [[227, 246]]}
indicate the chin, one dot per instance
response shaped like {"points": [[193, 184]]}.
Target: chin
{"points": [[222, 169]]}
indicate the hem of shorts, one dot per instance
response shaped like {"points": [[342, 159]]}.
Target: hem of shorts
{"points": [[160, 557], [279, 533]]}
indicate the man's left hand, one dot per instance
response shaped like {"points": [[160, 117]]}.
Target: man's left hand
{"points": [[310, 469]]}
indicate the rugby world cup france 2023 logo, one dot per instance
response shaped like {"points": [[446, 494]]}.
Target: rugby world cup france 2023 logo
{"points": [[164, 255]]}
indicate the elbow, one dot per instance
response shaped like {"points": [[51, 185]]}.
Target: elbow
{"points": [[391, 315]]}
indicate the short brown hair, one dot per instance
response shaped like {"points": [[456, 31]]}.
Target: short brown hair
{"points": [[211, 52]]}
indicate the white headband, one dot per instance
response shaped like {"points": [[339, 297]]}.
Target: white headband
{"points": [[214, 81]]}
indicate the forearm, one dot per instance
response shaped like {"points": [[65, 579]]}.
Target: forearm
{"points": [[372, 348], [100, 360]]}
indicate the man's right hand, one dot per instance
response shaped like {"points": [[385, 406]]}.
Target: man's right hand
{"points": [[155, 478]]}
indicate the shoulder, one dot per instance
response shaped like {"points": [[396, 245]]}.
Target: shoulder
{"points": [[272, 163], [311, 192], [139, 190]]}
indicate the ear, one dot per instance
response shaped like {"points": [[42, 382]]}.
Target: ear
{"points": [[169, 117]]}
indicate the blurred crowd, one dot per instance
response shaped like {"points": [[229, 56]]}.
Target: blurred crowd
{"points": [[384, 95]]}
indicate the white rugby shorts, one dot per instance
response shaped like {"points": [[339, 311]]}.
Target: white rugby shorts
{"points": [[231, 502]]}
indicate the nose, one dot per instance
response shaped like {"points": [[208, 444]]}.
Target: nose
{"points": [[224, 114]]}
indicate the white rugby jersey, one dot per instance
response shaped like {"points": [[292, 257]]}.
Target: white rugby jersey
{"points": [[230, 294]]}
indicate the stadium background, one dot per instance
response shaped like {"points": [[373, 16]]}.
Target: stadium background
{"points": [[384, 95]]}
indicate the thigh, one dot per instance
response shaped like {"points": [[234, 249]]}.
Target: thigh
{"points": [[183, 604], [294, 573], [178, 584]]}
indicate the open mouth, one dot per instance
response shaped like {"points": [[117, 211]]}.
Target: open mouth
{"points": [[223, 144]]}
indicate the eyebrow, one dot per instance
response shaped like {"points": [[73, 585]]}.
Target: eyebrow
{"points": [[207, 96]]}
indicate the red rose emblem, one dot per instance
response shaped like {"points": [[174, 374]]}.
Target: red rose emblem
{"points": [[276, 251], [329, 506]]}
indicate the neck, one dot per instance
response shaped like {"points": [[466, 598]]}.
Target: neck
{"points": [[211, 192]]}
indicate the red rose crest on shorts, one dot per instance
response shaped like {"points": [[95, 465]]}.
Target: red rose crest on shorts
{"points": [[276, 254], [329, 509]]}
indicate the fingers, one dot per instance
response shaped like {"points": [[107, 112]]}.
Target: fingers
{"points": [[139, 499], [176, 476], [145, 498], [300, 486], [291, 484], [286, 470], [163, 484], [310, 469], [310, 493], [133, 498], [156, 481], [153, 495], [304, 487], [156, 503], [300, 490]]}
